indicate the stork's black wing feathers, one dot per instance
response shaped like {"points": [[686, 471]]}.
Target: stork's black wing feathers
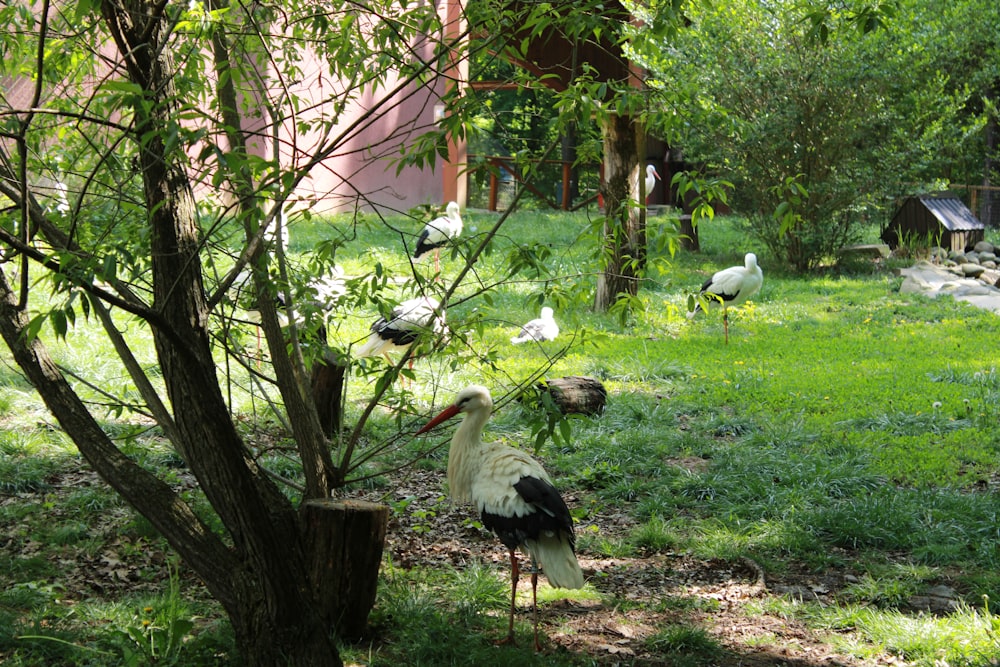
{"points": [[423, 246], [400, 337], [545, 497], [552, 515], [707, 288], [391, 330]]}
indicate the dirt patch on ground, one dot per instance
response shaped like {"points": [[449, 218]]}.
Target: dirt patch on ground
{"points": [[640, 596], [648, 593]]}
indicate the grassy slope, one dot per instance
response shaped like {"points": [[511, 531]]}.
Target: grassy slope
{"points": [[844, 426]]}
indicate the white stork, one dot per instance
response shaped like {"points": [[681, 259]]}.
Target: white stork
{"points": [[651, 177], [437, 233], [731, 287], [514, 496], [320, 295], [538, 329], [404, 326]]}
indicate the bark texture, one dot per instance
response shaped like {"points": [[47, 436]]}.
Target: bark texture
{"points": [[262, 579], [624, 255], [327, 390], [344, 540]]}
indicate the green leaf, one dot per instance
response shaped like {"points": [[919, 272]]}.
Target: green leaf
{"points": [[565, 429], [34, 325], [59, 324], [110, 267], [84, 8]]}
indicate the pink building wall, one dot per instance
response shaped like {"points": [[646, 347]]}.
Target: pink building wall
{"points": [[360, 171], [371, 134]]}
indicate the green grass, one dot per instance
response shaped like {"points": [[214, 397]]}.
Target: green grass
{"points": [[845, 427]]}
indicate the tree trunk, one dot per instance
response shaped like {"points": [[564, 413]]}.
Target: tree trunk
{"points": [[989, 212], [689, 234], [344, 541], [289, 369], [624, 257], [271, 606], [327, 390]]}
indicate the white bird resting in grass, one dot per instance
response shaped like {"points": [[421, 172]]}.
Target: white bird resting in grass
{"points": [[539, 329], [438, 233], [730, 287], [515, 499], [405, 324]]}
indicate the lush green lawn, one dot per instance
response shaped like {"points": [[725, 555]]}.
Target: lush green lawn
{"points": [[844, 427]]}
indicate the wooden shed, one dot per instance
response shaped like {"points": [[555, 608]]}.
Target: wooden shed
{"points": [[934, 219]]}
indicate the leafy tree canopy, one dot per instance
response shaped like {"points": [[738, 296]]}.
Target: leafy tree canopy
{"points": [[820, 115]]}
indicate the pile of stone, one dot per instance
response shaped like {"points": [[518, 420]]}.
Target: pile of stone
{"points": [[980, 262], [971, 276]]}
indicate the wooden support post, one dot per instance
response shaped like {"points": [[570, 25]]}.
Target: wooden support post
{"points": [[567, 177], [494, 186], [344, 542]]}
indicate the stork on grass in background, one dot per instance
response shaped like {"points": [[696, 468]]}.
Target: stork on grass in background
{"points": [[403, 327], [651, 176], [538, 329], [515, 498], [437, 233], [730, 287], [319, 295]]}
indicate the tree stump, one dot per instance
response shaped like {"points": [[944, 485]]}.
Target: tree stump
{"points": [[327, 388], [576, 394], [344, 542]]}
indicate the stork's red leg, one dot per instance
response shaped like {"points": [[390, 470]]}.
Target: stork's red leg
{"points": [[534, 605], [725, 322], [514, 575]]}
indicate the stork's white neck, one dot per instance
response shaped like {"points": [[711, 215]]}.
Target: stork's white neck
{"points": [[462, 457]]}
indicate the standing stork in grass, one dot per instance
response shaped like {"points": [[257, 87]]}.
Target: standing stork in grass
{"points": [[651, 176], [538, 329], [515, 499], [437, 233], [405, 324], [730, 287]]}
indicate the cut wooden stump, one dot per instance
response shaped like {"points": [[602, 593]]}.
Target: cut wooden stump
{"points": [[344, 542], [576, 394]]}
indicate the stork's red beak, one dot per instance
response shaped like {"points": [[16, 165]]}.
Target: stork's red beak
{"points": [[448, 413]]}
